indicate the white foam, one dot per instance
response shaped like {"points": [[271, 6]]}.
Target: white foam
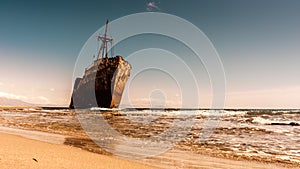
{"points": [[104, 109], [234, 113], [269, 121]]}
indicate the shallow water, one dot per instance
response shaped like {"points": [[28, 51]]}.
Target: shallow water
{"points": [[35, 135]]}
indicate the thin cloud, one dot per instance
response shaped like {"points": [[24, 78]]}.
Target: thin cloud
{"points": [[151, 6], [42, 99], [35, 100], [12, 96]]}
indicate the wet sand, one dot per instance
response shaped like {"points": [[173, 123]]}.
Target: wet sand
{"points": [[199, 161], [20, 152]]}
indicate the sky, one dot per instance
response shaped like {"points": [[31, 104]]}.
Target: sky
{"points": [[257, 42]]}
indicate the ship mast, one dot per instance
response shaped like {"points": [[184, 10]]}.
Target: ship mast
{"points": [[104, 45]]}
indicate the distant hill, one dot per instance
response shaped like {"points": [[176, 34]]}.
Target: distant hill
{"points": [[13, 102]]}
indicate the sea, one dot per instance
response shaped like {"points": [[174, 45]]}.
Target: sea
{"points": [[266, 135]]}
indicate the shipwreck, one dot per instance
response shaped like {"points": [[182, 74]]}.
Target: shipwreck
{"points": [[103, 81]]}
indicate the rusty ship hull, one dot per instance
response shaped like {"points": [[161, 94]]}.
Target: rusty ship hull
{"points": [[103, 81], [102, 84]]}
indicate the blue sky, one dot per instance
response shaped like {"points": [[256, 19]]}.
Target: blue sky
{"points": [[258, 43]]}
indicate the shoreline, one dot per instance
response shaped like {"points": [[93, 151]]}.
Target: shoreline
{"points": [[63, 127], [19, 149], [201, 161]]}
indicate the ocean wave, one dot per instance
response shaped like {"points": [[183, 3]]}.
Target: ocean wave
{"points": [[234, 113], [272, 112], [264, 121]]}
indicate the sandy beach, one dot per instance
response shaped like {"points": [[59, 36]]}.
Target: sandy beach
{"points": [[23, 153], [20, 152]]}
